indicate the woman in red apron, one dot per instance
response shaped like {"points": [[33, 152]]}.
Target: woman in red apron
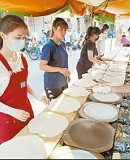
{"points": [[15, 107]]}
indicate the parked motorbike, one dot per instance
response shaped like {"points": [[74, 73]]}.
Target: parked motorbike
{"points": [[36, 50]]}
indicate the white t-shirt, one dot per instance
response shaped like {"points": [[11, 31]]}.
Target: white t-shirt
{"points": [[4, 73], [118, 40], [102, 43]]}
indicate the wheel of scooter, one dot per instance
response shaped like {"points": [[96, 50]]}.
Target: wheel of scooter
{"points": [[33, 54]]}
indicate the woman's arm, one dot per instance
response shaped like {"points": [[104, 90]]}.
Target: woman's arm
{"points": [[93, 59], [122, 89], [16, 113], [45, 67], [38, 96]]}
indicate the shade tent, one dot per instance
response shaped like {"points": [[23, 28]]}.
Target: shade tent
{"points": [[78, 7], [40, 7], [92, 2], [32, 7], [110, 7], [119, 7]]}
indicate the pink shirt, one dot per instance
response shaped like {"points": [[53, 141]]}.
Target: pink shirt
{"points": [[124, 40]]}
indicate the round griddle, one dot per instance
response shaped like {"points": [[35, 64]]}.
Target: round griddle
{"points": [[88, 116], [91, 97], [89, 135]]}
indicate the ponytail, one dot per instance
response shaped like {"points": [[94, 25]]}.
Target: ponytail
{"points": [[90, 32]]}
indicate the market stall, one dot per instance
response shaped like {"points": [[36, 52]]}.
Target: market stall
{"points": [[112, 8], [79, 121], [69, 121]]}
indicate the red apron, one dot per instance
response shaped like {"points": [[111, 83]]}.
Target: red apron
{"points": [[14, 96]]}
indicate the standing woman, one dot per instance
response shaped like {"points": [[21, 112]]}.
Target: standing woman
{"points": [[118, 38], [88, 52], [54, 60], [101, 41], [15, 107]]}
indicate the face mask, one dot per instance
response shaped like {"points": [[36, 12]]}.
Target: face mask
{"points": [[16, 45]]}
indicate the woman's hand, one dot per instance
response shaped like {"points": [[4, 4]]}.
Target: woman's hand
{"points": [[103, 62], [22, 115], [64, 71], [45, 100]]}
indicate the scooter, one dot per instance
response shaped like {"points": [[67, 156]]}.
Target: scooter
{"points": [[36, 50]]}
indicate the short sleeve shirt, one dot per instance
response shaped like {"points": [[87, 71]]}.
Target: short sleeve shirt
{"points": [[102, 43], [56, 56], [88, 45]]}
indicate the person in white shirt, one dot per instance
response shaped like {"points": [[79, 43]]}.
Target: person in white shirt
{"points": [[118, 38], [15, 107], [101, 41]]}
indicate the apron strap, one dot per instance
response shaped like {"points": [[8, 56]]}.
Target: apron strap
{"points": [[24, 62], [5, 63]]}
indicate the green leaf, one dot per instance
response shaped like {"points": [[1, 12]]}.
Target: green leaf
{"points": [[105, 19]]}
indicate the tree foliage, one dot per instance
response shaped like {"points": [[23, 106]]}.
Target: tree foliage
{"points": [[105, 19]]}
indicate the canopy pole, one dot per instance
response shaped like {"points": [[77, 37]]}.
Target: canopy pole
{"points": [[92, 16]]}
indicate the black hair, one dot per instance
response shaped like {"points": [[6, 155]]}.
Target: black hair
{"points": [[105, 26], [58, 22], [123, 35], [9, 23], [90, 32]]}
